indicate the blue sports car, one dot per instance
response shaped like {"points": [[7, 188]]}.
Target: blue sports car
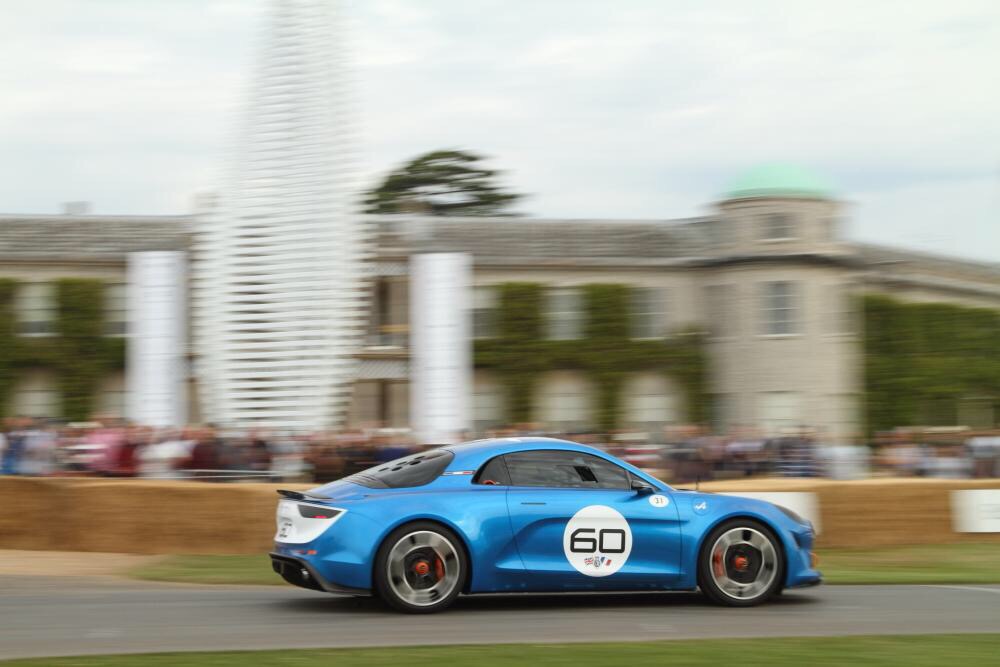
{"points": [[518, 515]]}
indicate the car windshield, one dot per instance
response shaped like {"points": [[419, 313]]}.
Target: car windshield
{"points": [[413, 470]]}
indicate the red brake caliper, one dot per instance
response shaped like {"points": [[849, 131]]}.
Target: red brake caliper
{"points": [[717, 566], [439, 568]]}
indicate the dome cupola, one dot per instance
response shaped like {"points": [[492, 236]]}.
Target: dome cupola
{"points": [[779, 180]]}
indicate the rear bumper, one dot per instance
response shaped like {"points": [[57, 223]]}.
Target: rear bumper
{"points": [[300, 573]]}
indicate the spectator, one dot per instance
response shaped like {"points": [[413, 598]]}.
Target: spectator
{"points": [[258, 453], [206, 454], [39, 449], [161, 457]]}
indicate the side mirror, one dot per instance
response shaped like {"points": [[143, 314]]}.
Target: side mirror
{"points": [[641, 487]]}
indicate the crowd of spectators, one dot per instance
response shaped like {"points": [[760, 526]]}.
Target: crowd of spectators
{"points": [[113, 448]]}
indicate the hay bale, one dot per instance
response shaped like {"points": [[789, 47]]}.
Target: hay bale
{"points": [[152, 517], [28, 517], [878, 512], [177, 517]]}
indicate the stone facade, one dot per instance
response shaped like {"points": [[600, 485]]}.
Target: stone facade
{"points": [[768, 275]]}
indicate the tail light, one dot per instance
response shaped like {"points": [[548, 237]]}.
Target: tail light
{"points": [[315, 512]]}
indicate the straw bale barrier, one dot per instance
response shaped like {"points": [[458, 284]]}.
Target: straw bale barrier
{"points": [[166, 517]]}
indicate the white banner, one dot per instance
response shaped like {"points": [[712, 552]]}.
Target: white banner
{"points": [[156, 368], [976, 511], [440, 346]]}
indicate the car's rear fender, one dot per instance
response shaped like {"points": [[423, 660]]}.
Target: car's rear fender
{"points": [[444, 523], [478, 516]]}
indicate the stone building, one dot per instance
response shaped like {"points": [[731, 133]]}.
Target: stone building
{"points": [[767, 275], [45, 260]]}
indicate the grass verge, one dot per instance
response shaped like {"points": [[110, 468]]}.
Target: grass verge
{"points": [[926, 564], [255, 569], [913, 651], [922, 564]]}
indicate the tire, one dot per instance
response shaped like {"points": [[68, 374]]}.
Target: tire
{"points": [[741, 564], [420, 568]]}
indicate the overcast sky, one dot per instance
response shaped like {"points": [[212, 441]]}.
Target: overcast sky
{"points": [[602, 108]]}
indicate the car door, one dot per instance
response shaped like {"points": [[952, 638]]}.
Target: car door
{"points": [[578, 524]]}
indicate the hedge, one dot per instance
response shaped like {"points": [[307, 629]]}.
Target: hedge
{"points": [[922, 358]]}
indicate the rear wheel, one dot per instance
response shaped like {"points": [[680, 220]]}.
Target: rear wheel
{"points": [[420, 568], [740, 564]]}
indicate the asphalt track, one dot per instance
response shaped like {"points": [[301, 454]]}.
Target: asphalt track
{"points": [[47, 616]]}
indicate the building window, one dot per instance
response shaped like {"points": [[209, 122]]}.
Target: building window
{"points": [[565, 314], [36, 395], [780, 412], [776, 226], [36, 309], [484, 312], [115, 309], [380, 404], [719, 315], [779, 311], [565, 401], [365, 405], [648, 403], [388, 325], [648, 316], [487, 402], [396, 404]]}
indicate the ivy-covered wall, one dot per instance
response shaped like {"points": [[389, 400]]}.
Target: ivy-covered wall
{"points": [[520, 352], [921, 359], [78, 353]]}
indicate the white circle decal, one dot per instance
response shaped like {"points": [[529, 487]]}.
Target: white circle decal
{"points": [[659, 501], [597, 541]]}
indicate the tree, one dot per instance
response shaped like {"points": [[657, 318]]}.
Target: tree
{"points": [[441, 183]]}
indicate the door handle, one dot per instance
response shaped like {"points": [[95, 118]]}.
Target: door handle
{"points": [[527, 503]]}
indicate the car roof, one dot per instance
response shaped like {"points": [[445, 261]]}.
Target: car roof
{"points": [[470, 455]]}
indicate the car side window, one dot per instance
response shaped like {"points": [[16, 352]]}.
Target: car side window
{"points": [[564, 469], [493, 473]]}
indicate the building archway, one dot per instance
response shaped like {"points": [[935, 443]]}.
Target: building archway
{"points": [[649, 402], [565, 401]]}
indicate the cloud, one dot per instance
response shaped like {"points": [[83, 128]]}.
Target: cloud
{"points": [[644, 108]]}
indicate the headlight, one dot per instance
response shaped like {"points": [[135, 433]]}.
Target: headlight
{"points": [[794, 516]]}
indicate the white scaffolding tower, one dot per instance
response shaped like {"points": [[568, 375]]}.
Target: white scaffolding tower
{"points": [[278, 288]]}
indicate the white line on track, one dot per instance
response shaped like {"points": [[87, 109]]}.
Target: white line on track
{"points": [[995, 591]]}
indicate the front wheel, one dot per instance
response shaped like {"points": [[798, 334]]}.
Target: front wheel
{"points": [[740, 564], [420, 568]]}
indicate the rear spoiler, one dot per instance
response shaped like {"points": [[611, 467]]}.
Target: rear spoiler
{"points": [[298, 495]]}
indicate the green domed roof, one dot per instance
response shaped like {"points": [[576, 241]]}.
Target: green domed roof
{"points": [[779, 180]]}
